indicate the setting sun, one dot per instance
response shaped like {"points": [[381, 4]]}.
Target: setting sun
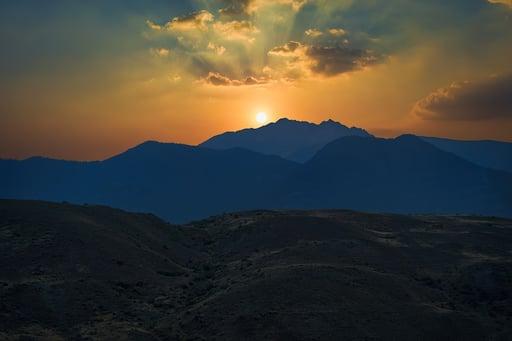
{"points": [[261, 117]]}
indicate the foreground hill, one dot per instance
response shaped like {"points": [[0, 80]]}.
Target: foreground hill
{"points": [[292, 140], [181, 183], [95, 273]]}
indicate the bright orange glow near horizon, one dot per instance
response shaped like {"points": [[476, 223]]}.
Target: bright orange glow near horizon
{"points": [[89, 85]]}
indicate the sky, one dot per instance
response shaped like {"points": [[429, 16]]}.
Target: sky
{"points": [[85, 80]]}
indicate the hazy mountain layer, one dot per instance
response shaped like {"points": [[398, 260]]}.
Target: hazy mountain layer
{"points": [[300, 141], [490, 154], [403, 175], [292, 140], [182, 183]]}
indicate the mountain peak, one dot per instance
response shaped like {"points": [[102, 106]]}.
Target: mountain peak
{"points": [[326, 123], [330, 122], [283, 120], [290, 139], [288, 121]]}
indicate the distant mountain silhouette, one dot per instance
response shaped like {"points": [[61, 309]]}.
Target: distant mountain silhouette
{"points": [[490, 154], [293, 140], [177, 182], [299, 141], [183, 183], [404, 174]]}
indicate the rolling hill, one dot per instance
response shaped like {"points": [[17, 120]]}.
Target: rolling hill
{"points": [[95, 273]]}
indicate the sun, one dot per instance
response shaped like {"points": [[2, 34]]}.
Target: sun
{"points": [[261, 117]]}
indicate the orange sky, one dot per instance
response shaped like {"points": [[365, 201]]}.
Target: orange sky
{"points": [[91, 86]]}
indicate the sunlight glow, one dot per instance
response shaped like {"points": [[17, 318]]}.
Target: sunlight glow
{"points": [[261, 117]]}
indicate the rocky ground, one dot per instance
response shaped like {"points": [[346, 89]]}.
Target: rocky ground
{"points": [[95, 273]]}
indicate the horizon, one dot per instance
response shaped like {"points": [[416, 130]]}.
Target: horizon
{"points": [[86, 80], [318, 124]]}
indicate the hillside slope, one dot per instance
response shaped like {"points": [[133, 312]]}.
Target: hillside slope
{"points": [[88, 272]]}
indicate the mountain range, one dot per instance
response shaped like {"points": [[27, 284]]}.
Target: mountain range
{"points": [[299, 141], [292, 140], [486, 153], [234, 172]]}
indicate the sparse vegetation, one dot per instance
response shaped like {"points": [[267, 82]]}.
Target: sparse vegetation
{"points": [[95, 273]]}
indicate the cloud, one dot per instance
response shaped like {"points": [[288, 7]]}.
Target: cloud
{"points": [[256, 54], [235, 7], [217, 79], [503, 2], [313, 33], [218, 49], [296, 5], [337, 32], [332, 32], [160, 52], [323, 60], [290, 49], [194, 21], [203, 22], [334, 60], [236, 30], [239, 7], [490, 98], [153, 26]]}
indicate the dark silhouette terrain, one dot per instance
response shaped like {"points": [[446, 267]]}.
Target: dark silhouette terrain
{"points": [[401, 175], [299, 141], [91, 272], [489, 154], [292, 140], [178, 182], [182, 183]]}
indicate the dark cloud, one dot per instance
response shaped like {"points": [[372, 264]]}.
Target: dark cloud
{"points": [[487, 99], [333, 60], [324, 60], [235, 7]]}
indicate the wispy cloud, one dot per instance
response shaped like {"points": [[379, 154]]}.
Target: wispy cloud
{"points": [[160, 52], [337, 32], [503, 2], [313, 32], [238, 7], [236, 30], [217, 79]]}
